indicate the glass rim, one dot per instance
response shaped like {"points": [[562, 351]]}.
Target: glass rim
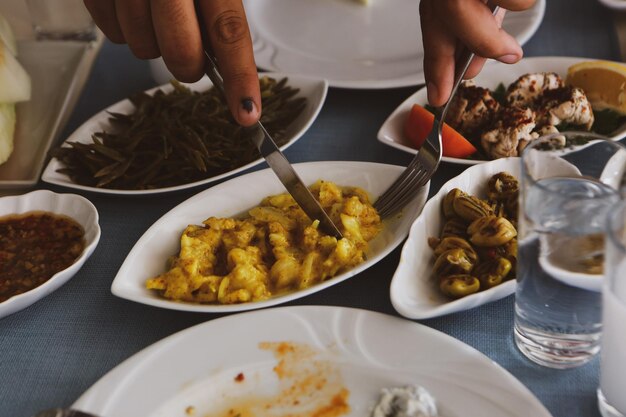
{"points": [[534, 143]]}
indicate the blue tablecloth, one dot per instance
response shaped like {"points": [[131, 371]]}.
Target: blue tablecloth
{"points": [[51, 352]]}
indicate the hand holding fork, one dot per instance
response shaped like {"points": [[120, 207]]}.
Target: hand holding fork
{"points": [[425, 163]]}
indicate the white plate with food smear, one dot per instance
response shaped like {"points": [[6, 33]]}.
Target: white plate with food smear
{"points": [[305, 361], [493, 74], [353, 43], [414, 289], [312, 89], [148, 258]]}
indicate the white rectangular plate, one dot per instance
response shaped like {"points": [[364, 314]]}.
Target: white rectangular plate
{"points": [[58, 71]]}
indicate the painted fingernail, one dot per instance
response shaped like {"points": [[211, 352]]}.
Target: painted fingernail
{"points": [[247, 104], [509, 58]]}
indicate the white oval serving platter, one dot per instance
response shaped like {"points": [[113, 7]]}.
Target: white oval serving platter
{"points": [[148, 257], [313, 89]]}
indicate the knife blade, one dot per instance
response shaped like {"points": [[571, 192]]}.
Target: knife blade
{"points": [[279, 163]]}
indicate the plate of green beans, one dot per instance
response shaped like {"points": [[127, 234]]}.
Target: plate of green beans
{"points": [[178, 136]]}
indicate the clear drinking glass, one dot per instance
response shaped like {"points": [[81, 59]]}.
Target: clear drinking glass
{"points": [[61, 20], [611, 398], [569, 181]]}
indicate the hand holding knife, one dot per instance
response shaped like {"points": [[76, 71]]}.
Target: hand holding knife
{"points": [[268, 148]]}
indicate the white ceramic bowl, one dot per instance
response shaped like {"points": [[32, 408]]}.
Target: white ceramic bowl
{"points": [[148, 257], [414, 291], [78, 208]]}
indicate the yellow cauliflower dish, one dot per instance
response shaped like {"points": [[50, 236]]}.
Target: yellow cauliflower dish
{"points": [[274, 250]]}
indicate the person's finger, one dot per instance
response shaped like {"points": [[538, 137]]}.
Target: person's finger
{"points": [[439, 55], [485, 39], [135, 21], [475, 67], [231, 43], [515, 5], [178, 35], [104, 15], [478, 62]]}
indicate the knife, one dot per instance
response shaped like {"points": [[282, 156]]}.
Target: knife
{"points": [[279, 163]]}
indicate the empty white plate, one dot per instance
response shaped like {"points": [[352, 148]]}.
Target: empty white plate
{"points": [[352, 45]]}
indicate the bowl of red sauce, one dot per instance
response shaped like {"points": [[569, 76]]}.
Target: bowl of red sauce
{"points": [[45, 238]]}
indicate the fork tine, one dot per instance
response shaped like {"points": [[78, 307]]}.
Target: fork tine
{"points": [[408, 193], [403, 200], [404, 187], [405, 176]]}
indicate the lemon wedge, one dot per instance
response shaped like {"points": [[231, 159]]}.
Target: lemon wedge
{"points": [[604, 83]]}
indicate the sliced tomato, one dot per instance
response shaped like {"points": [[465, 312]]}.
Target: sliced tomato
{"points": [[418, 125]]}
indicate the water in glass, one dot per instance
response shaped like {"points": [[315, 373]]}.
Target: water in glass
{"points": [[558, 324]]}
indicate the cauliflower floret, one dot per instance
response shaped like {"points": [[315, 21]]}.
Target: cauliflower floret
{"points": [[528, 88], [329, 193], [565, 105], [274, 250], [513, 125], [471, 109]]}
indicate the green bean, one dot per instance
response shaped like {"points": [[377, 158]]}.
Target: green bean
{"points": [[175, 138]]}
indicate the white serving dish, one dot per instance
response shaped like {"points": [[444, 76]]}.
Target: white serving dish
{"points": [[362, 350], [313, 89], [78, 208], [58, 71], [148, 257], [391, 132], [414, 291]]}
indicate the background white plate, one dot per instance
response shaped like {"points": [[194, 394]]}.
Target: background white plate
{"points": [[148, 257], [391, 132], [78, 208], [351, 45], [614, 4], [313, 89], [192, 367], [414, 291]]}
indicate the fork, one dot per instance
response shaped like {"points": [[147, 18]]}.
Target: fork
{"points": [[425, 163]]}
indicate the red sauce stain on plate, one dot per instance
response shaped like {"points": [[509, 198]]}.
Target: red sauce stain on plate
{"points": [[310, 385]]}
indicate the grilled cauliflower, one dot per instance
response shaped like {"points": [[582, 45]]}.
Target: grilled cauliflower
{"points": [[513, 125], [528, 88], [471, 109], [564, 105]]}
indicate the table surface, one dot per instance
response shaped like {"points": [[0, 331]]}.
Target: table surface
{"points": [[57, 348]]}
